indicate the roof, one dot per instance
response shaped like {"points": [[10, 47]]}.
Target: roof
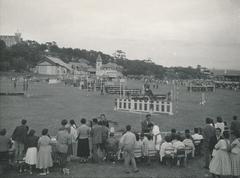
{"points": [[82, 60], [54, 60], [99, 58], [112, 65]]}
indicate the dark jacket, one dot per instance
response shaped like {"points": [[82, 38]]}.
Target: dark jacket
{"points": [[145, 126], [31, 141], [208, 132], [20, 134], [213, 141]]}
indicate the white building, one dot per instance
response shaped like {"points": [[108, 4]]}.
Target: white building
{"points": [[52, 66], [110, 70]]}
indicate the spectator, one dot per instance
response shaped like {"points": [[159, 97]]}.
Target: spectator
{"points": [[96, 134], [220, 124], [31, 154], [220, 164], [157, 138], [208, 132], [146, 124], [188, 142], [63, 141], [173, 133], [235, 155], [83, 141], [5, 144], [104, 138], [179, 147], [104, 120], [196, 136], [44, 158], [138, 148], [197, 140], [74, 134], [19, 136], [127, 145], [214, 139], [112, 148], [235, 125], [150, 149], [166, 148]]}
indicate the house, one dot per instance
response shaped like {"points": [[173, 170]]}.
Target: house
{"points": [[52, 66], [11, 40], [109, 70], [79, 69]]}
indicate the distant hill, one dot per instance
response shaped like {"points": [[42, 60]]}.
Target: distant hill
{"points": [[25, 55]]}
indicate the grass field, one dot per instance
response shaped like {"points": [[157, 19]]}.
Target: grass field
{"points": [[46, 105]]}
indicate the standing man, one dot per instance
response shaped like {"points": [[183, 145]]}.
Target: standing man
{"points": [[127, 144], [214, 139], [97, 140], [235, 125], [146, 124], [19, 136], [208, 132]]}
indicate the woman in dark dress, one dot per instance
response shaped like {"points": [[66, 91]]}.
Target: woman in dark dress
{"points": [[83, 141]]}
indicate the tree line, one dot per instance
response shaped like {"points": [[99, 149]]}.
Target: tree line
{"points": [[26, 55]]}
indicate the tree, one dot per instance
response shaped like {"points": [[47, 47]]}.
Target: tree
{"points": [[119, 55]]}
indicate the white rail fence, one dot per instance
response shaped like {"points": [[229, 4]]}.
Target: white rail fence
{"points": [[153, 107]]}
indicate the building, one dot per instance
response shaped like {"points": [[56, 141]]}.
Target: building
{"points": [[109, 70], [52, 66], [11, 40], [80, 69]]}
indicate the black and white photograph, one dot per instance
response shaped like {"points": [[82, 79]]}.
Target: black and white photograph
{"points": [[120, 88]]}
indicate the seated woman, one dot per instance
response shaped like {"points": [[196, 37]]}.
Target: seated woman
{"points": [[166, 149], [179, 149], [189, 146], [138, 149]]}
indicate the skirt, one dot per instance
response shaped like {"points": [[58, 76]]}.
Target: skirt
{"points": [[235, 160], [44, 158], [83, 148], [220, 163], [31, 156]]}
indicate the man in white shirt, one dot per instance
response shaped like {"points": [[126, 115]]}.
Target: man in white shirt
{"points": [[127, 144]]}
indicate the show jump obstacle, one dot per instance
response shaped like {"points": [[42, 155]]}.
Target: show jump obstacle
{"points": [[145, 104]]}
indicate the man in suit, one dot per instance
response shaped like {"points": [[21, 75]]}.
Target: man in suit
{"points": [[208, 132], [214, 139], [146, 124]]}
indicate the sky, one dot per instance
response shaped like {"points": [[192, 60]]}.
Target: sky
{"points": [[170, 32]]}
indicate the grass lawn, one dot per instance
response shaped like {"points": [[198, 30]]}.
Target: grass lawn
{"points": [[46, 105]]}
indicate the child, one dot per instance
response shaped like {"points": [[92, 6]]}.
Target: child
{"points": [[44, 160], [151, 148], [179, 148], [166, 149], [31, 154], [189, 144], [138, 149]]}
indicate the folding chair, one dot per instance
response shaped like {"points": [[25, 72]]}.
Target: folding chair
{"points": [[169, 156], [181, 157], [198, 144], [189, 153]]}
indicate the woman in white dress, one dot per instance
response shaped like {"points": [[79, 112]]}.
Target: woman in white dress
{"points": [[221, 163], [157, 138]]}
